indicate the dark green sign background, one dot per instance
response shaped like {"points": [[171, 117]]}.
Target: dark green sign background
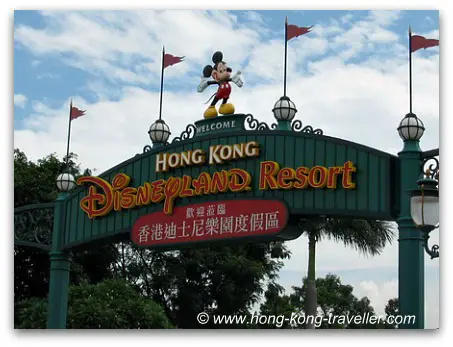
{"points": [[373, 198]]}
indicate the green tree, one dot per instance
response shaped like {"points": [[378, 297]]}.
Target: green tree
{"points": [[33, 183], [36, 183], [216, 280], [111, 304], [366, 236], [277, 305], [392, 309], [336, 302]]}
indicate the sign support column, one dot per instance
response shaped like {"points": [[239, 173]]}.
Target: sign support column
{"points": [[410, 249], [59, 270]]}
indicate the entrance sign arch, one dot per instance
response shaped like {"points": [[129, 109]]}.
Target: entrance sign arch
{"points": [[372, 195], [294, 172]]}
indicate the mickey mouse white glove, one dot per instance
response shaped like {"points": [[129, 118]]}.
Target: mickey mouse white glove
{"points": [[236, 79], [203, 84]]}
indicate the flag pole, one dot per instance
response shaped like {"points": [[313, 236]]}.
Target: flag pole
{"points": [[161, 83], [286, 49], [410, 70], [69, 136]]}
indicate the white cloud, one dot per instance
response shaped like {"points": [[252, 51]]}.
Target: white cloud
{"points": [[429, 20], [364, 34], [20, 100], [346, 18], [433, 34], [254, 16], [379, 295], [47, 75], [384, 18], [102, 43]]}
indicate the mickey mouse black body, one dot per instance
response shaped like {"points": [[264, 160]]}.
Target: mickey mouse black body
{"points": [[221, 75]]}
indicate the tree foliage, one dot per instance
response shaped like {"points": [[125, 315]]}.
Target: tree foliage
{"points": [[216, 280], [277, 304], [335, 299], [36, 183], [111, 304], [392, 309]]}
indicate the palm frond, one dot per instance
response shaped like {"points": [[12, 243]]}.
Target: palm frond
{"points": [[366, 236]]}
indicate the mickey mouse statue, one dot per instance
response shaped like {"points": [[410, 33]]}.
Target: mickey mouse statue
{"points": [[221, 75]]}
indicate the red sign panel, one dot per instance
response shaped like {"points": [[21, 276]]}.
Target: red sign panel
{"points": [[211, 221]]}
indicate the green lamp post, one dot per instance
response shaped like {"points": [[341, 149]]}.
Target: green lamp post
{"points": [[159, 132], [284, 111], [410, 248], [59, 259]]}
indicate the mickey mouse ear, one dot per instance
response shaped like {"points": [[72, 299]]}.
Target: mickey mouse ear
{"points": [[217, 57], [207, 71]]}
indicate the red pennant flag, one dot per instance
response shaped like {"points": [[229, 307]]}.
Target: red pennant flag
{"points": [[171, 60], [293, 31], [76, 113], [418, 42]]}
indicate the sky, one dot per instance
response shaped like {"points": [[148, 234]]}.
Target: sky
{"points": [[349, 77]]}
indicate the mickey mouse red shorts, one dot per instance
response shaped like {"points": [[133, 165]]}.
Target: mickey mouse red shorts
{"points": [[224, 90]]}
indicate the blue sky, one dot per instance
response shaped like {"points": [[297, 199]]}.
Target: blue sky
{"points": [[48, 75], [348, 77]]}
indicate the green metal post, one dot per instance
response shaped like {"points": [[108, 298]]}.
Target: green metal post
{"points": [[59, 271], [284, 125], [411, 280], [158, 145]]}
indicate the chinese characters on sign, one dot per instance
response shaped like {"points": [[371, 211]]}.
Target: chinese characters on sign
{"points": [[215, 220]]}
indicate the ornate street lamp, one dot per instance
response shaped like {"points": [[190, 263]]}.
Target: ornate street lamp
{"points": [[65, 182], [425, 209], [411, 127], [159, 132], [284, 111]]}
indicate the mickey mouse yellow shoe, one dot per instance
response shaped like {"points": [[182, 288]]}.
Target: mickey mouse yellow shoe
{"points": [[210, 112], [226, 109]]}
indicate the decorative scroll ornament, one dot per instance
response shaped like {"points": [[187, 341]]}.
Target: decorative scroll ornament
{"points": [[190, 132], [430, 168], [434, 251], [147, 149], [298, 126], [33, 225], [254, 124]]}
